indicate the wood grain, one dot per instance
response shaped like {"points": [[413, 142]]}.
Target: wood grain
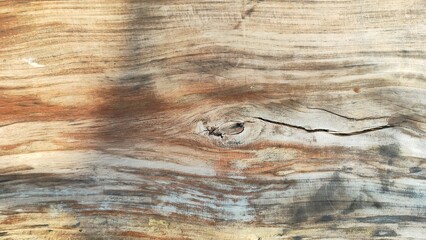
{"points": [[212, 119]]}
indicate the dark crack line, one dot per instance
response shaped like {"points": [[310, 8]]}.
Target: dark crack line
{"points": [[333, 132], [346, 117]]}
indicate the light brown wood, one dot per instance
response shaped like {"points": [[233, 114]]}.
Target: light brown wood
{"points": [[212, 119]]}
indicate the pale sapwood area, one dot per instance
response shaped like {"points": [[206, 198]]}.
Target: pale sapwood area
{"points": [[219, 119]]}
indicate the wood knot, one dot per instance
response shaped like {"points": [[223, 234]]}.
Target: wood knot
{"points": [[229, 128]]}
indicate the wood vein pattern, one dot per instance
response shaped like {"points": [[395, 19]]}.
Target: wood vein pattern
{"points": [[213, 119]]}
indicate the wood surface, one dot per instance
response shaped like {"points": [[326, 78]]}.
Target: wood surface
{"points": [[212, 119]]}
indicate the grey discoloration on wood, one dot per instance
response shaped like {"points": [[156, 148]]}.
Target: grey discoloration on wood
{"points": [[384, 233]]}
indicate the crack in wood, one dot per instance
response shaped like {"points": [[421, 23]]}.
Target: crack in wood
{"points": [[333, 132], [349, 118]]}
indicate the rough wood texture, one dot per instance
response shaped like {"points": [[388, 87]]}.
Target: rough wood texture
{"points": [[213, 119]]}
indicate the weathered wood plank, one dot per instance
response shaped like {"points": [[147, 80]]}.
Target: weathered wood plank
{"points": [[212, 119]]}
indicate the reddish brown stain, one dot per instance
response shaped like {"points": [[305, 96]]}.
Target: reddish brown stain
{"points": [[31, 108], [11, 147], [357, 89], [13, 219]]}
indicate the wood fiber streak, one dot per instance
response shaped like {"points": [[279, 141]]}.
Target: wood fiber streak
{"points": [[183, 119]]}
